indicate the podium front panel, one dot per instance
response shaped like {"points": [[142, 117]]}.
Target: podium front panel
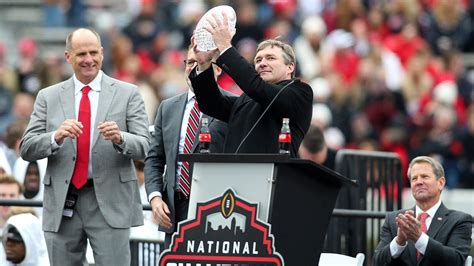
{"points": [[250, 181]]}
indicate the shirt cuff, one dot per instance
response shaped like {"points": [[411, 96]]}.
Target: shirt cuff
{"points": [[395, 249], [54, 145], [422, 243], [154, 194]]}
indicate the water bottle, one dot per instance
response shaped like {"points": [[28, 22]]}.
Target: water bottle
{"points": [[204, 136], [284, 139]]}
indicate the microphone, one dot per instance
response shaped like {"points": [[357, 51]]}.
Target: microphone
{"points": [[263, 113]]}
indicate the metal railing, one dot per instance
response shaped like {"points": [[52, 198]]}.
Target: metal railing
{"points": [[145, 252], [380, 190], [355, 222]]}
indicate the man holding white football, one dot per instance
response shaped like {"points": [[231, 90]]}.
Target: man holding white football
{"points": [[270, 91]]}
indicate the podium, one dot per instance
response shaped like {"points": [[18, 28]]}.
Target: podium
{"points": [[295, 196]]}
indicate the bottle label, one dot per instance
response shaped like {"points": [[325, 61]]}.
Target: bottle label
{"points": [[284, 138], [205, 137]]}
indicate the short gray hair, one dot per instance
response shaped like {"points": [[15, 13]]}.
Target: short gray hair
{"points": [[437, 167], [288, 53], [69, 37]]}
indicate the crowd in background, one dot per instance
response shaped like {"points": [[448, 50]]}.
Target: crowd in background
{"points": [[386, 75]]}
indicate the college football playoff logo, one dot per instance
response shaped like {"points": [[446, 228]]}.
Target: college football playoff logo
{"points": [[226, 230]]}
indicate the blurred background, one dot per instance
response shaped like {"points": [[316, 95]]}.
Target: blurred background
{"points": [[388, 75], [393, 75]]}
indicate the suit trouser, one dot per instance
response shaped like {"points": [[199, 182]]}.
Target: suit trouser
{"points": [[110, 246], [181, 205]]}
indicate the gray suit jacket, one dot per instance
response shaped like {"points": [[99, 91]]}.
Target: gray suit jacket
{"points": [[449, 244], [115, 180], [164, 149]]}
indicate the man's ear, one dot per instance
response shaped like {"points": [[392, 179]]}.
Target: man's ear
{"points": [[441, 182], [291, 69], [217, 70], [67, 55]]}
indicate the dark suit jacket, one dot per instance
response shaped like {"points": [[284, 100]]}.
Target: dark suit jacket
{"points": [[241, 113], [164, 149], [450, 240]]}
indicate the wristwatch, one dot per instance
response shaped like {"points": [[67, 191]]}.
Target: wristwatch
{"points": [[122, 139]]}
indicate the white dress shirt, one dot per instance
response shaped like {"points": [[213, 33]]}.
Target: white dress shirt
{"points": [[95, 86], [422, 242]]}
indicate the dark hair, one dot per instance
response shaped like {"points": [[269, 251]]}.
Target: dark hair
{"points": [[314, 140], [14, 132]]}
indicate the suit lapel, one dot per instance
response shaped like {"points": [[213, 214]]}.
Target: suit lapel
{"points": [[412, 252], [176, 118], [66, 96], [106, 96], [436, 223], [438, 220]]}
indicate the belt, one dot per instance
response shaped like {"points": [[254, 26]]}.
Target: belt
{"points": [[89, 183]]}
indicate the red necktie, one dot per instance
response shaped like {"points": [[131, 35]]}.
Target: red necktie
{"points": [[79, 176], [423, 217], [191, 131]]}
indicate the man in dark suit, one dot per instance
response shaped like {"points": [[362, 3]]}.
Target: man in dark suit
{"points": [[429, 233], [269, 85], [169, 204], [90, 127]]}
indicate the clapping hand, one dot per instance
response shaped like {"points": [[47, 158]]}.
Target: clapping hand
{"points": [[408, 227]]}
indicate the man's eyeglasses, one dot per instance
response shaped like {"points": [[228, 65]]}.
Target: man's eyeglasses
{"points": [[189, 63]]}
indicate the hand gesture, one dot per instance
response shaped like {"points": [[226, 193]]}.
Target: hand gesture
{"points": [[409, 225], [203, 58], [161, 213], [110, 131], [219, 29], [402, 238], [70, 128]]}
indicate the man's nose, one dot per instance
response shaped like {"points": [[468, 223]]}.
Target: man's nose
{"points": [[260, 66], [418, 181], [88, 58]]}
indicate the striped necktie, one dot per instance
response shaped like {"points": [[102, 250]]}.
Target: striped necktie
{"points": [[191, 132], [424, 229]]}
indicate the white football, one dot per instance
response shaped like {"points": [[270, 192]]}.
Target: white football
{"points": [[203, 38]]}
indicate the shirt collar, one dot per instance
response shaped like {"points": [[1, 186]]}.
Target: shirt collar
{"points": [[431, 212], [94, 84], [190, 95]]}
